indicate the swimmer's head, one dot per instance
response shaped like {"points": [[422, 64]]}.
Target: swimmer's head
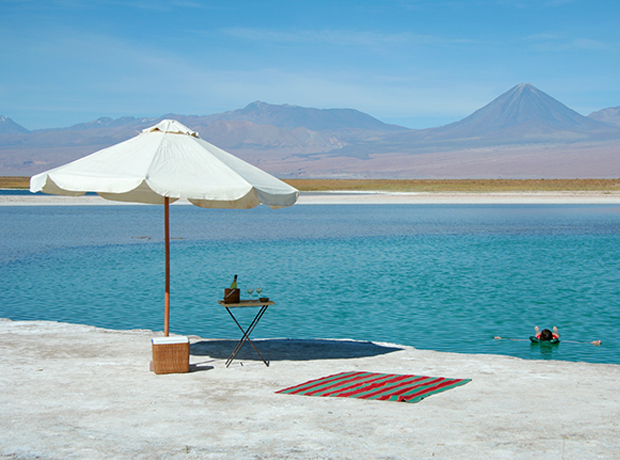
{"points": [[546, 334]]}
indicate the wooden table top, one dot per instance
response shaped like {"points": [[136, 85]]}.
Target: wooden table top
{"points": [[246, 303]]}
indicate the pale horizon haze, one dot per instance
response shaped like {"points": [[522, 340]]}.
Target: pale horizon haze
{"points": [[417, 64]]}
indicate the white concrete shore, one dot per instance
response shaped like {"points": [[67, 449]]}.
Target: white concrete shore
{"points": [[461, 198], [79, 392], [364, 198]]}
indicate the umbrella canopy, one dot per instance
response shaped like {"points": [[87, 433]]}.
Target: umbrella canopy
{"points": [[162, 164], [167, 160]]}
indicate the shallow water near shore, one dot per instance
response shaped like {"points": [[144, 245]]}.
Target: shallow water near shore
{"points": [[441, 277]]}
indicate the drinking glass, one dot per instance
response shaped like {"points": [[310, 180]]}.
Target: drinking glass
{"points": [[250, 291], [259, 289]]}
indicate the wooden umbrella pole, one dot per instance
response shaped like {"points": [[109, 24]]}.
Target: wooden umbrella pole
{"points": [[167, 238]]}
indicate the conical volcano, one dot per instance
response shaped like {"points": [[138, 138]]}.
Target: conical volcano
{"points": [[522, 115], [8, 126], [523, 111]]}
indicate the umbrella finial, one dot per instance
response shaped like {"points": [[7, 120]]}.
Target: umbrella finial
{"points": [[172, 127]]}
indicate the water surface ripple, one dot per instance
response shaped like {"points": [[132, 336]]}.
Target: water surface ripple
{"points": [[442, 277]]}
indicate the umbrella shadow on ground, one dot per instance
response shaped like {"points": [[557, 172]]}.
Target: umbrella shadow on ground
{"points": [[291, 349]]}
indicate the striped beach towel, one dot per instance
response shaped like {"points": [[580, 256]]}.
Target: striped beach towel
{"points": [[369, 385]]}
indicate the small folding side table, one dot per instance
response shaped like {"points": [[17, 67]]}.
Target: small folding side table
{"points": [[246, 333]]}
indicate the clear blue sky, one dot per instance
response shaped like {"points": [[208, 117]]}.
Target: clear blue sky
{"points": [[415, 63]]}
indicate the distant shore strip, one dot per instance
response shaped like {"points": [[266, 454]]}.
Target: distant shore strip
{"points": [[420, 185], [362, 198]]}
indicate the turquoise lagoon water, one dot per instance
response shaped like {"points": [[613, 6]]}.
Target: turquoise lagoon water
{"points": [[442, 277]]}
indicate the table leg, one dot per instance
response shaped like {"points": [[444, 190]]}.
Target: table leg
{"points": [[246, 336]]}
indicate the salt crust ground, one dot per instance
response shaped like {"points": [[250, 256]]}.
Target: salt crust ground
{"points": [[366, 198], [79, 392]]}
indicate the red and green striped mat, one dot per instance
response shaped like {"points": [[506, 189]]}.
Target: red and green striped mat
{"points": [[369, 385]]}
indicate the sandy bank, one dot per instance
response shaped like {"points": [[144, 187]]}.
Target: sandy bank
{"points": [[73, 391], [364, 198]]}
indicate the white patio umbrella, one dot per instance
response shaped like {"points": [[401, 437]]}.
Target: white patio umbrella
{"points": [[161, 165]]}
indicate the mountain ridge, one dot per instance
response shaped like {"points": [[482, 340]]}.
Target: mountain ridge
{"points": [[293, 116], [296, 141], [610, 115], [522, 115], [8, 126]]}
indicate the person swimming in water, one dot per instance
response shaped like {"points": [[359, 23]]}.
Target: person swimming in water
{"points": [[546, 335]]}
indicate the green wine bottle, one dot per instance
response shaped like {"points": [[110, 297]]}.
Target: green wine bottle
{"points": [[233, 285]]}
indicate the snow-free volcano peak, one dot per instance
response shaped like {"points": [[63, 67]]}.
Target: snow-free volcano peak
{"points": [[8, 126]]}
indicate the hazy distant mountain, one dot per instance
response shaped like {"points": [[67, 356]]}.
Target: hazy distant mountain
{"points": [[522, 133], [258, 113], [8, 126], [523, 111], [256, 131], [319, 129], [293, 116], [610, 115], [247, 135], [522, 115], [107, 122]]}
